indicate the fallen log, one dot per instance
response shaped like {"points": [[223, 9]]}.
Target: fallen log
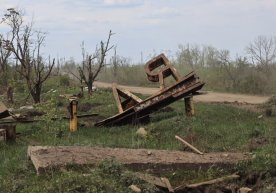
{"points": [[189, 145]]}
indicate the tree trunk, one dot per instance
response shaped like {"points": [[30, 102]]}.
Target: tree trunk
{"points": [[36, 93], [90, 90], [10, 94]]}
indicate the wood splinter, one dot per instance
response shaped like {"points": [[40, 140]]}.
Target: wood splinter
{"points": [[189, 145]]}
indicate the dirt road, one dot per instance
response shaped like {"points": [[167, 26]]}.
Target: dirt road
{"points": [[209, 97]]}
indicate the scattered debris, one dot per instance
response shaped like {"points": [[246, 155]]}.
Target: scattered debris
{"points": [[260, 116], [141, 132], [134, 188], [158, 182], [244, 190], [210, 182], [132, 109], [189, 145], [45, 158], [29, 107], [4, 111], [152, 180]]}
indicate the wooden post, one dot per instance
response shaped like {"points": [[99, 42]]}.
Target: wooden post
{"points": [[189, 106], [10, 131], [3, 136], [73, 114]]}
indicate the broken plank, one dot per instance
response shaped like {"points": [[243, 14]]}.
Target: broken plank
{"points": [[209, 182]]}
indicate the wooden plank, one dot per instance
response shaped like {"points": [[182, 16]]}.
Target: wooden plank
{"points": [[117, 98]]}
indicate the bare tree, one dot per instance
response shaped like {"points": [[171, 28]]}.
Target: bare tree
{"points": [[262, 51], [25, 44], [228, 66], [114, 63], [4, 56], [93, 63], [189, 55]]}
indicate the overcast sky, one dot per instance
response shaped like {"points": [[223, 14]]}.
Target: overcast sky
{"points": [[147, 26]]}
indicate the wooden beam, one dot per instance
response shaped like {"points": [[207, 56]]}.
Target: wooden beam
{"points": [[205, 183]]}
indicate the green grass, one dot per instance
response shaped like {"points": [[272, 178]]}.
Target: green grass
{"points": [[216, 127]]}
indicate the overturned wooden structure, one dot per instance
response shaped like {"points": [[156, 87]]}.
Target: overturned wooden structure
{"points": [[132, 109], [4, 113], [46, 158]]}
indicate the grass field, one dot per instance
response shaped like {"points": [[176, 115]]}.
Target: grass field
{"points": [[216, 127]]}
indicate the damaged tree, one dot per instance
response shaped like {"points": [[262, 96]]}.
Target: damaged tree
{"points": [[93, 63], [25, 44], [4, 56]]}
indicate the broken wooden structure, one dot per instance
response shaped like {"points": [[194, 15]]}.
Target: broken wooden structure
{"points": [[4, 113], [7, 131], [132, 109], [46, 158]]}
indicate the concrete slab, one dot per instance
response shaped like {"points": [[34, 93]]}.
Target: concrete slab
{"points": [[53, 157]]}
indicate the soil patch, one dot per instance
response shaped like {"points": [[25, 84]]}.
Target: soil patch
{"points": [[84, 107]]}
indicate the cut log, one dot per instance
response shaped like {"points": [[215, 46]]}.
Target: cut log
{"points": [[189, 145]]}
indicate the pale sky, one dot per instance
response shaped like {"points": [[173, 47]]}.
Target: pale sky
{"points": [[147, 26]]}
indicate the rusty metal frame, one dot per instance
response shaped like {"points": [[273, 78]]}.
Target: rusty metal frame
{"points": [[134, 110]]}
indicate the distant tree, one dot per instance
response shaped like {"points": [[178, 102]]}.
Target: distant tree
{"points": [[262, 51], [115, 62], [190, 55], [25, 44], [118, 62], [93, 63]]}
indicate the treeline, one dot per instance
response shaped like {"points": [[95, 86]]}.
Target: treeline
{"points": [[24, 69], [253, 73]]}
